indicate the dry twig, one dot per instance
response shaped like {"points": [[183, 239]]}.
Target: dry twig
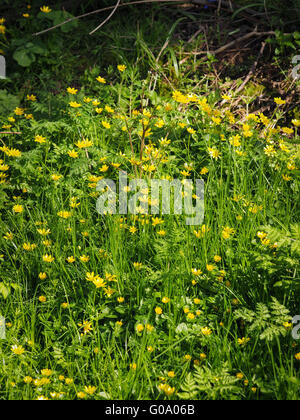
{"points": [[107, 19]]}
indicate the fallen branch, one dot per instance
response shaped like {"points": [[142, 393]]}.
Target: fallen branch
{"points": [[105, 9], [107, 19], [10, 132], [252, 70], [232, 43]]}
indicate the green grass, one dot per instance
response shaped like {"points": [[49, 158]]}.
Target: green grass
{"points": [[248, 281]]}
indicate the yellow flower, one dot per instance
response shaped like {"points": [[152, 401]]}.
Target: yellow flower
{"points": [[13, 153], [31, 98], [171, 374], [74, 104], [133, 229], [90, 390], [48, 258], [45, 9], [64, 214], [165, 299], [56, 177], [227, 232], [122, 67], [226, 97], [84, 258], [240, 375], [87, 327], [18, 350], [29, 247], [279, 101], [243, 341], [84, 144], [101, 80], [167, 389], [46, 372], [73, 154], [214, 153], [206, 331], [27, 380], [191, 130], [297, 356], [43, 299], [210, 267], [72, 91], [109, 109], [19, 111], [18, 208], [158, 310], [140, 328], [71, 259], [40, 139], [296, 123], [8, 236], [138, 266], [217, 258], [106, 124]]}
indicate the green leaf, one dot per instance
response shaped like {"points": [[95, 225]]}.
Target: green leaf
{"points": [[24, 57], [4, 290]]}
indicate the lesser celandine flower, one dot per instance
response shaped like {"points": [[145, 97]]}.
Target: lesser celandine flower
{"points": [[83, 144], [140, 328], [64, 214], [18, 350], [121, 67], [48, 258], [227, 232], [73, 154], [101, 80], [206, 331], [158, 310], [72, 91], [74, 104], [46, 372], [18, 208], [243, 341], [279, 101], [31, 98], [45, 9], [40, 139], [106, 125]]}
